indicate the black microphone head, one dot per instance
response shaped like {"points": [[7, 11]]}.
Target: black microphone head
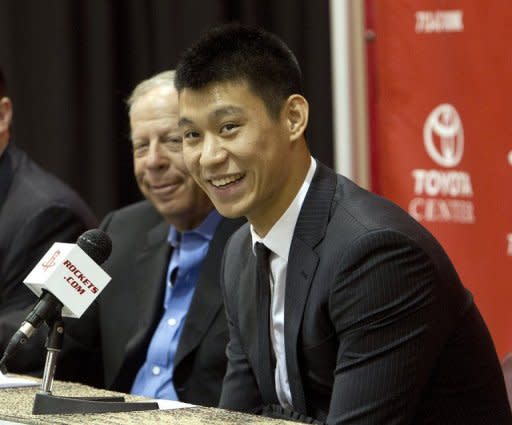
{"points": [[96, 244]]}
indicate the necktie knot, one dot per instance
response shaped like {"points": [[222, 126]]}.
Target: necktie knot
{"points": [[262, 253], [262, 262]]}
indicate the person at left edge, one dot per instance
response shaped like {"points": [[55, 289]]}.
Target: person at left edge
{"points": [[159, 327], [36, 210]]}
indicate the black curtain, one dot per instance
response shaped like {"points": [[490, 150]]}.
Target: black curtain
{"points": [[70, 65]]}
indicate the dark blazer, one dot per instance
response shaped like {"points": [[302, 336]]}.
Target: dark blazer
{"points": [[378, 327], [117, 330], [36, 210]]}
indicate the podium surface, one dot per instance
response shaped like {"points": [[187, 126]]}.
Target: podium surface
{"points": [[16, 406]]}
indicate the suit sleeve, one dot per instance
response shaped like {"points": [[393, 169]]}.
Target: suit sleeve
{"points": [[239, 390], [385, 310], [54, 224]]}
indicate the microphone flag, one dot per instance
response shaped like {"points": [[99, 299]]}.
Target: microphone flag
{"points": [[68, 273]]}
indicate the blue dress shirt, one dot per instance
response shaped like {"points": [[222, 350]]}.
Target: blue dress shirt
{"points": [[154, 378]]}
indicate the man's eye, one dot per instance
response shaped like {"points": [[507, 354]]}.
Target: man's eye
{"points": [[140, 148], [191, 135], [227, 128], [172, 139], [173, 143]]}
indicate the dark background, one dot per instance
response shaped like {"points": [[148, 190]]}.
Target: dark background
{"points": [[70, 65]]}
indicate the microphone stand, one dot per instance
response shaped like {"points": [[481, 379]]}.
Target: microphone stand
{"points": [[47, 403], [53, 346]]}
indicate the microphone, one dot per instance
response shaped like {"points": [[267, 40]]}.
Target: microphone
{"points": [[67, 279]]}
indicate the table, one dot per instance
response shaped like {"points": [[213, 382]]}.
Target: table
{"points": [[16, 405]]}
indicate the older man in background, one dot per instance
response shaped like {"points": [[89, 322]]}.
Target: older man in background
{"points": [[159, 328]]}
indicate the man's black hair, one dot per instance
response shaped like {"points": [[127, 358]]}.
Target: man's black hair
{"points": [[236, 53]]}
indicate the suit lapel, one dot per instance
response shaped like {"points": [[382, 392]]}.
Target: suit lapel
{"points": [[207, 299], [302, 263], [6, 174], [149, 275]]}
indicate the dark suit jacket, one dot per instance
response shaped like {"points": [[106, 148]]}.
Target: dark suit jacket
{"points": [[117, 330], [378, 327], [36, 210]]}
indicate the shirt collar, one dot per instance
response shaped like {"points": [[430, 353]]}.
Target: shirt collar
{"points": [[279, 238], [206, 229]]}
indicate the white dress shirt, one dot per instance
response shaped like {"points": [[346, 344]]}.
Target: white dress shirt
{"points": [[278, 240]]}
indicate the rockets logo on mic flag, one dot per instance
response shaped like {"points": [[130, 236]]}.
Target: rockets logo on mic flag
{"points": [[69, 274]]}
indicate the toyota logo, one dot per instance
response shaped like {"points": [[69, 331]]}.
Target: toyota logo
{"points": [[443, 136]]}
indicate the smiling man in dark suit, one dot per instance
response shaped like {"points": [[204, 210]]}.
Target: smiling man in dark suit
{"points": [[358, 316], [36, 210], [159, 328]]}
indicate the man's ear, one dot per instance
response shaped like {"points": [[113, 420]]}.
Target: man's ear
{"points": [[5, 114], [297, 113]]}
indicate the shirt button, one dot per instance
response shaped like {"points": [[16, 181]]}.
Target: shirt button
{"points": [[171, 322], [155, 370]]}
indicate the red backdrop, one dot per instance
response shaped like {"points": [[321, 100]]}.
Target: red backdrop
{"points": [[441, 75]]}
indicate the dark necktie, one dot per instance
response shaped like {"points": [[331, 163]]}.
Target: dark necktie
{"points": [[267, 358]]}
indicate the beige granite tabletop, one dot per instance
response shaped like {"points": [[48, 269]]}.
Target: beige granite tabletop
{"points": [[16, 406]]}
